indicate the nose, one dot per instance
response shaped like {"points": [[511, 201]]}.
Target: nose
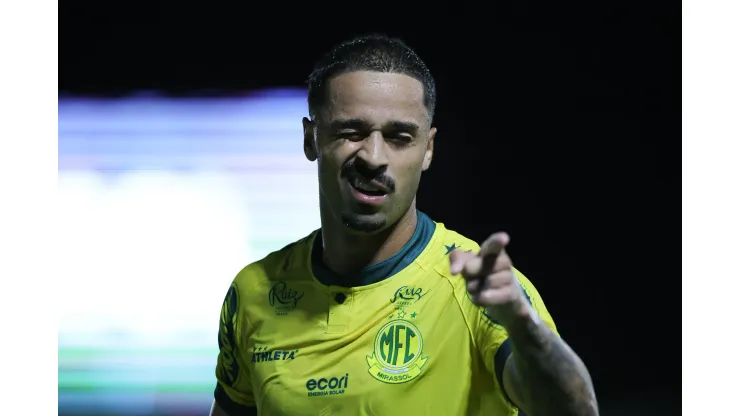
{"points": [[373, 151]]}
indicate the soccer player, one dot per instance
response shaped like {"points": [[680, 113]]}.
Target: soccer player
{"points": [[383, 311]]}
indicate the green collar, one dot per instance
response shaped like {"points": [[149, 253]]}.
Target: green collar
{"points": [[378, 271]]}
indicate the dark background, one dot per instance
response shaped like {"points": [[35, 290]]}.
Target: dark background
{"points": [[554, 125]]}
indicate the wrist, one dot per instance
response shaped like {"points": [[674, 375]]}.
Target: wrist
{"points": [[521, 319]]}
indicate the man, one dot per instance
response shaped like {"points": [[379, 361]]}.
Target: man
{"points": [[383, 311]]}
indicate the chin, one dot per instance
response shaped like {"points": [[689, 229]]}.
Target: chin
{"points": [[365, 223]]}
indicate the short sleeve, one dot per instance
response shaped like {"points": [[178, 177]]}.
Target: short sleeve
{"points": [[234, 389], [493, 340]]}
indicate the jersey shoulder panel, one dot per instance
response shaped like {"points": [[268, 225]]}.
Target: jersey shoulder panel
{"points": [[443, 243], [447, 241], [254, 282], [436, 255], [476, 316], [277, 265], [451, 240]]}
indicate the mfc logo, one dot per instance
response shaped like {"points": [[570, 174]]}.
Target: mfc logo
{"points": [[327, 386], [398, 353]]}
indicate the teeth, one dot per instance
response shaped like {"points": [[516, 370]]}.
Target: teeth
{"points": [[362, 185]]}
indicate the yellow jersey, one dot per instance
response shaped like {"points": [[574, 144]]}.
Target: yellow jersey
{"points": [[407, 341]]}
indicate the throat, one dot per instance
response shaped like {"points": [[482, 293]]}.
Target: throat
{"points": [[350, 253], [370, 260]]}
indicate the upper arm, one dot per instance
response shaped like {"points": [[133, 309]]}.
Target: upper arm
{"points": [[495, 345], [233, 394], [512, 382]]}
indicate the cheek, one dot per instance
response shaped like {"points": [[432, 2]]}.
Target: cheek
{"points": [[329, 156], [334, 154], [327, 169], [411, 173]]}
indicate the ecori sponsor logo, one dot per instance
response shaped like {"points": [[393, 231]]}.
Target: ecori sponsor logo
{"points": [[327, 386]]}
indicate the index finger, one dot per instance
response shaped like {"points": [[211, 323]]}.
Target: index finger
{"points": [[492, 248]]}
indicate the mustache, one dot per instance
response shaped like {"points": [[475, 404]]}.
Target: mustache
{"points": [[352, 169]]}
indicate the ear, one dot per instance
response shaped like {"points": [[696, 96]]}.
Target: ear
{"points": [[309, 144], [430, 149]]}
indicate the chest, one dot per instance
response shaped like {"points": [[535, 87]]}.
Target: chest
{"points": [[368, 354]]}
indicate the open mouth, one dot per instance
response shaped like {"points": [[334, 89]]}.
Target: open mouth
{"points": [[366, 187]]}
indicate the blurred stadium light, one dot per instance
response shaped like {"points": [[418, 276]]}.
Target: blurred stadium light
{"points": [[162, 202]]}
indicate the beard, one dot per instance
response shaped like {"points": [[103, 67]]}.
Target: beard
{"points": [[367, 224]]}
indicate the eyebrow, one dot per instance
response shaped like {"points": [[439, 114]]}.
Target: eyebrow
{"points": [[359, 124]]}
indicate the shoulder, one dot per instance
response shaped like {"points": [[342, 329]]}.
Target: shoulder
{"points": [[453, 240], [437, 257], [448, 240], [441, 245], [276, 266]]}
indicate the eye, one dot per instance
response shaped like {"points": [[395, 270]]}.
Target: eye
{"points": [[350, 135], [401, 138]]}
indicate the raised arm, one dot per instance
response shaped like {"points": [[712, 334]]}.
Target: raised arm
{"points": [[536, 369], [543, 376]]}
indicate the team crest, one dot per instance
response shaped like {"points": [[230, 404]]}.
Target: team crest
{"points": [[398, 353]]}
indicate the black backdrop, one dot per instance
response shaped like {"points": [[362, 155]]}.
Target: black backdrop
{"points": [[554, 125]]}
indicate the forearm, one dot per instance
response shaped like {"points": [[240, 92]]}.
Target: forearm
{"points": [[546, 377]]}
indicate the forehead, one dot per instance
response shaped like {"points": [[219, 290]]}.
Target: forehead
{"points": [[377, 97]]}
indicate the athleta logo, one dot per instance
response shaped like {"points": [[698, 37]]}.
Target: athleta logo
{"points": [[327, 386], [262, 354], [398, 353], [283, 298], [406, 295]]}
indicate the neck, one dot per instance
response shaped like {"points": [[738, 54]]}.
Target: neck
{"points": [[346, 252]]}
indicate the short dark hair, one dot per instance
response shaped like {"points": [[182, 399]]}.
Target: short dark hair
{"points": [[375, 52]]}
